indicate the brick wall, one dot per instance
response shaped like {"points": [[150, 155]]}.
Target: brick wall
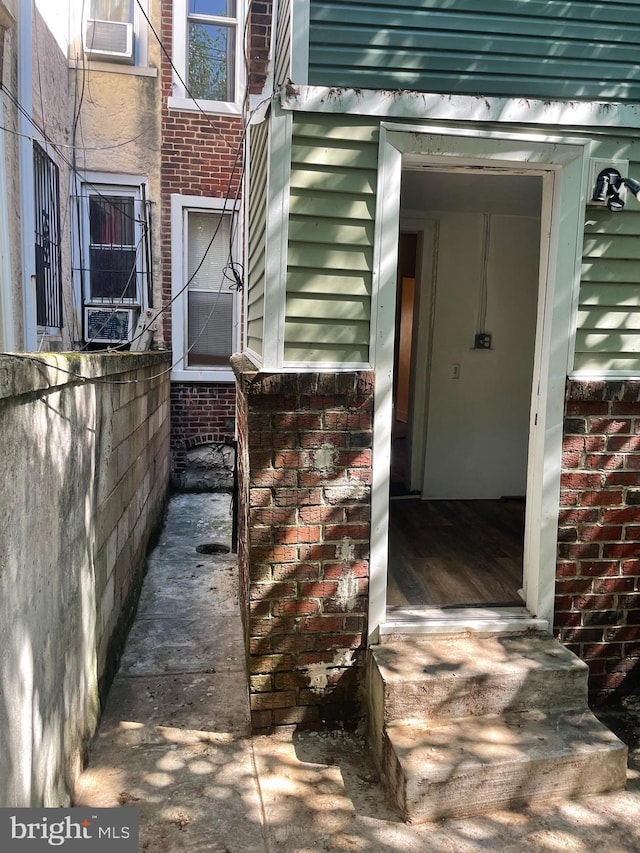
{"points": [[199, 151], [305, 473], [598, 573], [198, 157], [259, 36], [201, 414], [198, 154]]}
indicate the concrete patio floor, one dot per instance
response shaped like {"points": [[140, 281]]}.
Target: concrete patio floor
{"points": [[174, 740]]}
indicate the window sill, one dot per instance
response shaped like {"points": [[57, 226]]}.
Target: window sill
{"points": [[223, 375], [211, 107], [115, 68]]}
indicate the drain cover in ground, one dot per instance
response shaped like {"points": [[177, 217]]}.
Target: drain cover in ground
{"points": [[213, 548]]}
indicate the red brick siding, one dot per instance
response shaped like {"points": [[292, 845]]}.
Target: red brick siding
{"points": [[199, 154], [259, 37], [598, 571], [200, 414], [305, 474]]}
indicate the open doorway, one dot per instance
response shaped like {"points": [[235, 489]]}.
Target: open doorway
{"points": [[466, 314]]}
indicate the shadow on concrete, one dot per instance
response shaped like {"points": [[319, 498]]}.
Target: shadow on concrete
{"points": [[174, 741]]}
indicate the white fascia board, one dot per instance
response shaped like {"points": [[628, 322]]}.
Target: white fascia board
{"points": [[399, 103]]}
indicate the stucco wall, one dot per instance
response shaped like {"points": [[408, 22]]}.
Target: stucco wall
{"points": [[119, 116], [11, 142], [51, 99], [82, 492]]}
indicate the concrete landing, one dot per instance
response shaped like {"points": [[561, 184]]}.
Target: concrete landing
{"points": [[460, 676], [482, 763], [464, 724], [174, 743]]}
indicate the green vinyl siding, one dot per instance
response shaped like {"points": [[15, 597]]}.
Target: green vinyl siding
{"points": [[549, 49], [608, 322], [257, 222], [282, 63], [330, 258], [331, 234]]}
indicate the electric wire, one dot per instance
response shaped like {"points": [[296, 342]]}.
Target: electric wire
{"points": [[233, 267], [238, 151]]}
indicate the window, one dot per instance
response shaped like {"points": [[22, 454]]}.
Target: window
{"points": [[112, 248], [112, 256], [47, 239], [115, 245], [205, 308], [111, 10], [115, 31], [207, 53]]}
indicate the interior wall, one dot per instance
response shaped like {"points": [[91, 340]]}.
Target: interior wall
{"points": [[478, 426]]}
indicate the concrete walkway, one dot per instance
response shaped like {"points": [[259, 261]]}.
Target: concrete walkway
{"points": [[174, 741]]}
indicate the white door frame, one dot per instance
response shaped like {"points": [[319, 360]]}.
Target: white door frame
{"points": [[563, 164]]}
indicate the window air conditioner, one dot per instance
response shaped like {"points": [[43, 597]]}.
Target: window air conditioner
{"points": [[109, 40], [109, 325]]}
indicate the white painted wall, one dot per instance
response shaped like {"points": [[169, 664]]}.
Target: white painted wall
{"points": [[478, 424]]}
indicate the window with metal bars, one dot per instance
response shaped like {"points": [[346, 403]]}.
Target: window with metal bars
{"points": [[115, 251], [47, 239], [113, 266]]}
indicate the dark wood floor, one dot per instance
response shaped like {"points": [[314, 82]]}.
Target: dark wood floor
{"points": [[455, 553]]}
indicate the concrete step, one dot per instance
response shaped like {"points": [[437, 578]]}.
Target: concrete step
{"points": [[477, 764], [461, 676]]}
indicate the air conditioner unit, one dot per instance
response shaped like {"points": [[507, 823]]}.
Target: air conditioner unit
{"points": [[109, 325], [109, 40]]}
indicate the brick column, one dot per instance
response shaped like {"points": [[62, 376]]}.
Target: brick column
{"points": [[305, 444], [598, 573]]}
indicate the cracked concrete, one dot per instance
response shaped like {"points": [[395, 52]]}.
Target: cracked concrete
{"points": [[174, 741]]}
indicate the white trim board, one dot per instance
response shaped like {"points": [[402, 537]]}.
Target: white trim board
{"points": [[563, 219], [277, 237], [397, 103]]}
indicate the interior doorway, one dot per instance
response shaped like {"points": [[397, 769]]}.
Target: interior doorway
{"points": [[466, 318]]}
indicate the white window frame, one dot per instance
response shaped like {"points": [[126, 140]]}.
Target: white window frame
{"points": [[181, 206], [102, 184], [180, 99], [140, 43]]}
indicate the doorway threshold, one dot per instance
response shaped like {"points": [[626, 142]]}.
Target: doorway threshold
{"points": [[479, 620]]}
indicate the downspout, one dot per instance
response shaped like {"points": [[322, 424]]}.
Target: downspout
{"points": [[27, 219], [7, 327]]}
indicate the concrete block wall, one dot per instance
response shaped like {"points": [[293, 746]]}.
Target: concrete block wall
{"points": [[598, 571], [84, 441], [305, 444]]}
